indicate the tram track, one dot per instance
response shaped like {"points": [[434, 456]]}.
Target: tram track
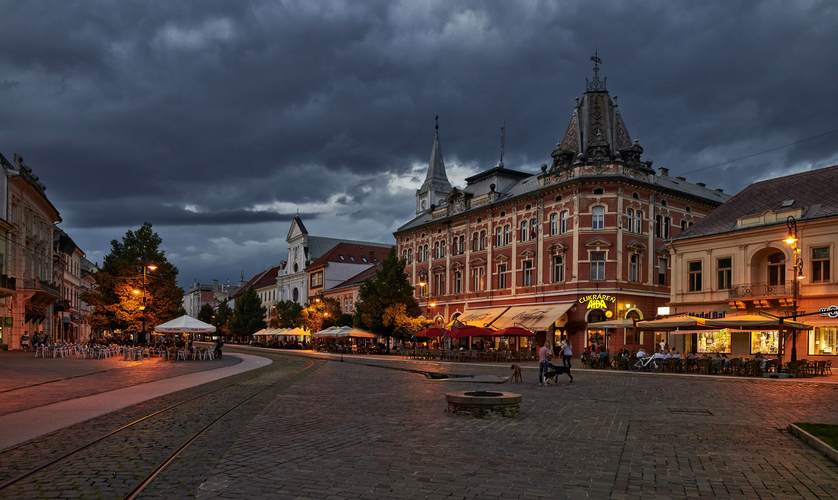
{"points": [[133, 455]]}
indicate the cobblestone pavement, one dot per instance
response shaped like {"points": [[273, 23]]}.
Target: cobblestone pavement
{"points": [[355, 431], [28, 382], [349, 430]]}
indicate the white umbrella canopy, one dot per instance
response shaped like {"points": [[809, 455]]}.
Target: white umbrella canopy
{"points": [[185, 324]]}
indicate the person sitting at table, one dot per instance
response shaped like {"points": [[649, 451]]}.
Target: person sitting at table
{"points": [[641, 353]]}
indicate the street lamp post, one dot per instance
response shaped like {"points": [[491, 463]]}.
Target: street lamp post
{"points": [[146, 268], [792, 239]]}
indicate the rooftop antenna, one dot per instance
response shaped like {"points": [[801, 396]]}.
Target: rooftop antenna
{"points": [[502, 141]]}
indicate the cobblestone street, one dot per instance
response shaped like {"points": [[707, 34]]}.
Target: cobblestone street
{"points": [[367, 428], [353, 431]]}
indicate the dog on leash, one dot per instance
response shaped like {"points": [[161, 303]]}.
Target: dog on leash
{"points": [[553, 373], [516, 375]]}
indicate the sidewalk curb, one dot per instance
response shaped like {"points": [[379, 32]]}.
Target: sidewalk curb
{"points": [[828, 451]]}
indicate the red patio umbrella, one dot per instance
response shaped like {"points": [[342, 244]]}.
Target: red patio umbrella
{"points": [[513, 331], [469, 331], [430, 332]]}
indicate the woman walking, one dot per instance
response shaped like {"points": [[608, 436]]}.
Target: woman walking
{"points": [[568, 352]]}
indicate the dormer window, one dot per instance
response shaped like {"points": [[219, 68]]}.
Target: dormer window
{"points": [[352, 258], [365, 260], [341, 257]]}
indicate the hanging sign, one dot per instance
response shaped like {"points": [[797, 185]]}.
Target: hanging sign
{"points": [[597, 301], [830, 312]]}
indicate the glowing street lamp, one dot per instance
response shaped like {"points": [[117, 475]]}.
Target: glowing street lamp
{"points": [[792, 239]]}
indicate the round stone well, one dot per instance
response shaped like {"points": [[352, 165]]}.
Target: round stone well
{"points": [[484, 403]]}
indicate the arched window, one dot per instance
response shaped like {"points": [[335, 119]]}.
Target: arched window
{"points": [[666, 224], [658, 224], [507, 234], [524, 231], [475, 242], [436, 249], [558, 269], [499, 237], [483, 240], [554, 224], [563, 226], [296, 295], [638, 224], [630, 220]]}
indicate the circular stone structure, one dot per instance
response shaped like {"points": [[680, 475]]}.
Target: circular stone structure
{"points": [[484, 403]]}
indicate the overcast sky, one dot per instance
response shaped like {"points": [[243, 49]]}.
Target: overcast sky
{"points": [[217, 120]]}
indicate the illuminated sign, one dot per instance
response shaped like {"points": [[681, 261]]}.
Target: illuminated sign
{"points": [[831, 312], [597, 301], [707, 315]]}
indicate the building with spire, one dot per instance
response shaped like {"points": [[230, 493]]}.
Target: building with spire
{"points": [[436, 186], [581, 241]]}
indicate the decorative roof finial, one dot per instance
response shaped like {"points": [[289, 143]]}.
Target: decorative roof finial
{"points": [[595, 84], [436, 122], [502, 141]]}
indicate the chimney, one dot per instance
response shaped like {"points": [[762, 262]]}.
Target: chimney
{"points": [[663, 172], [700, 184], [682, 179], [719, 190]]}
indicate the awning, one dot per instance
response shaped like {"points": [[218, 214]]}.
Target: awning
{"points": [[469, 331], [688, 331], [534, 318], [671, 323], [515, 331], [480, 317], [613, 323], [430, 332], [756, 321], [185, 324]]}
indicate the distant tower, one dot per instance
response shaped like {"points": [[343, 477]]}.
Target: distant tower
{"points": [[436, 186]]}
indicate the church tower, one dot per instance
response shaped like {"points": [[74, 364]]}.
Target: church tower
{"points": [[436, 186]]}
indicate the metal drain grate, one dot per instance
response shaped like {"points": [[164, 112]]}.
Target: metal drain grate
{"points": [[690, 411]]}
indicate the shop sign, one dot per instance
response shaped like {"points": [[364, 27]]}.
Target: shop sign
{"points": [[708, 314], [597, 301], [8, 321], [830, 312]]}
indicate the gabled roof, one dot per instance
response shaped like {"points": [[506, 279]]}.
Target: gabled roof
{"points": [[249, 284], [319, 245], [268, 277], [359, 278], [352, 253], [813, 191]]}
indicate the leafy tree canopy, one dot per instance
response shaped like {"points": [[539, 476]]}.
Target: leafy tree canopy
{"points": [[389, 293], [205, 314], [222, 318], [127, 291], [320, 315], [249, 315], [285, 314]]}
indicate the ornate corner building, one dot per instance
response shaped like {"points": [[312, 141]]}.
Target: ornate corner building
{"points": [[583, 240]]}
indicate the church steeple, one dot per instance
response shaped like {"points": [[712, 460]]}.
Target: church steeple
{"points": [[436, 185]]}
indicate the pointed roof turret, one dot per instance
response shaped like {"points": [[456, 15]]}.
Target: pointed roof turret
{"points": [[436, 185], [436, 178]]}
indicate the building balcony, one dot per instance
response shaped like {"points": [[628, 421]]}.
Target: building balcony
{"points": [[757, 290], [62, 305], [8, 285]]}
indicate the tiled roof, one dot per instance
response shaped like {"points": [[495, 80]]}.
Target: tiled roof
{"points": [[352, 253], [814, 191], [249, 284], [319, 245], [359, 278], [268, 277], [208, 297]]}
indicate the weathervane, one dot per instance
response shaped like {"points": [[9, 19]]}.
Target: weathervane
{"points": [[595, 84], [436, 122]]}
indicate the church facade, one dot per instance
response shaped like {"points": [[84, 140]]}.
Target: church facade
{"points": [[581, 241]]}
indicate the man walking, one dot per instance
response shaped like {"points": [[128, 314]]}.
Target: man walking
{"points": [[543, 362]]}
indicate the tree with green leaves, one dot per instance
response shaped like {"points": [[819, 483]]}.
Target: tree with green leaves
{"points": [[249, 315], [386, 302], [135, 286], [206, 314], [285, 314], [320, 314], [221, 320]]}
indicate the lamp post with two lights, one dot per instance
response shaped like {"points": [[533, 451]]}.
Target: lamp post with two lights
{"points": [[793, 239]]}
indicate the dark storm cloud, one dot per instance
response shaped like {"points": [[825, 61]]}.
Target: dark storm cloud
{"points": [[228, 117]]}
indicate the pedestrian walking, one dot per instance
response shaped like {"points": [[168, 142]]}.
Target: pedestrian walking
{"points": [[24, 342], [543, 362], [568, 352]]}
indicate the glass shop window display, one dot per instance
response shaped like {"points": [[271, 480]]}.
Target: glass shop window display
{"points": [[765, 342], [714, 341], [824, 341]]}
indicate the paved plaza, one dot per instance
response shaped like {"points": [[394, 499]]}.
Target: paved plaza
{"points": [[355, 431]]}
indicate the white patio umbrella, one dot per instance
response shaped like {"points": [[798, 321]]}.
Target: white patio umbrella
{"points": [[185, 324]]}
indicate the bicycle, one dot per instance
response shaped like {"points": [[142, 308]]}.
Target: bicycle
{"points": [[646, 364]]}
